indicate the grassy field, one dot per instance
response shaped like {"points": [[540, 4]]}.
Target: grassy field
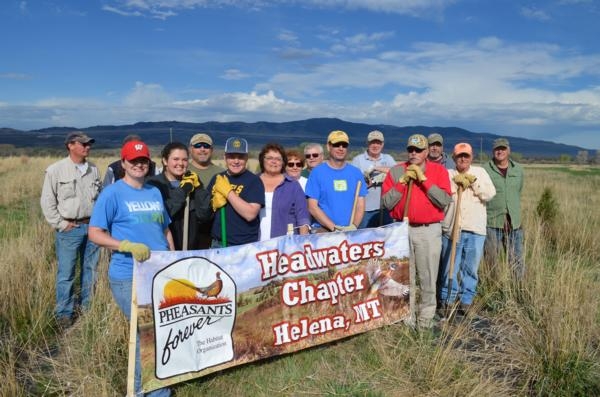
{"points": [[540, 336]]}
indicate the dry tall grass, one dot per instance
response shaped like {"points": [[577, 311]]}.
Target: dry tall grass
{"points": [[540, 336]]}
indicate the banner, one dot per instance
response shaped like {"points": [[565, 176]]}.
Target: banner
{"points": [[203, 311]]}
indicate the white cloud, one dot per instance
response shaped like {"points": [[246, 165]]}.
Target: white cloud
{"points": [[15, 76], [234, 74], [534, 13], [147, 95]]}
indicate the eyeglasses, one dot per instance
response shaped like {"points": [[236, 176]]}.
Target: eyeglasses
{"points": [[139, 161], [294, 164], [413, 149], [202, 145], [271, 158], [87, 144], [313, 155], [340, 144]]}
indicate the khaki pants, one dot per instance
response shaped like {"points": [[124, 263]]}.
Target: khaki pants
{"points": [[425, 248]]}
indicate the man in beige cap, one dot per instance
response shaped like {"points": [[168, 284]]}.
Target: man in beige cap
{"points": [[70, 189], [422, 205], [331, 188], [201, 150], [374, 165], [436, 150]]}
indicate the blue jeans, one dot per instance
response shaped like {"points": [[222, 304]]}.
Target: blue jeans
{"points": [[510, 243], [371, 219], [121, 292], [469, 250], [71, 246]]}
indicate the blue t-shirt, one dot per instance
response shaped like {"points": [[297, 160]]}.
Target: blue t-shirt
{"points": [[334, 190], [137, 215], [239, 231]]}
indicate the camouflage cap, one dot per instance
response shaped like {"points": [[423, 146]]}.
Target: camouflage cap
{"points": [[500, 142], [417, 140]]}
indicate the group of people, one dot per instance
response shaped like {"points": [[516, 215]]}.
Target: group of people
{"points": [[191, 203]]}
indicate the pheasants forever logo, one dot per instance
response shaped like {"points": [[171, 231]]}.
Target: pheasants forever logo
{"points": [[194, 313]]}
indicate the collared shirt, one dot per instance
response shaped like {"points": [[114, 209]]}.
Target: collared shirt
{"points": [[507, 201], [472, 202], [67, 193], [364, 162]]}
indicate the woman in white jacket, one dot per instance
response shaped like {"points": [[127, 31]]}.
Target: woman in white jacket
{"points": [[477, 189]]}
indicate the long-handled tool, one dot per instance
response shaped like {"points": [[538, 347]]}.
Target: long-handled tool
{"points": [[133, 317], [356, 192], [186, 223], [408, 194], [223, 228], [455, 236]]}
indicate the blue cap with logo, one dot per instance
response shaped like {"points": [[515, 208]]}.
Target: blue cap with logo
{"points": [[236, 145]]}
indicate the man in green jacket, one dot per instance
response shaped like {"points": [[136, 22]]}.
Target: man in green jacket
{"points": [[504, 210]]}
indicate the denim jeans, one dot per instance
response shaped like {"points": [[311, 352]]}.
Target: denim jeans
{"points": [[121, 292], [469, 250], [371, 219], [510, 243], [72, 246]]}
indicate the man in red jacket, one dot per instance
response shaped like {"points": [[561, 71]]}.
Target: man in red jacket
{"points": [[429, 195]]}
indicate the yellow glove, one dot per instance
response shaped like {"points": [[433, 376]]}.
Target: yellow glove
{"points": [[462, 180], [471, 178], [408, 175], [418, 171], [189, 182], [140, 252], [222, 185], [217, 201], [348, 228]]}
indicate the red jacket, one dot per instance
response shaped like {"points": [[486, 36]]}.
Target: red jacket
{"points": [[421, 208]]}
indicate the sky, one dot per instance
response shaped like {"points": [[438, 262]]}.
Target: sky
{"points": [[514, 68]]}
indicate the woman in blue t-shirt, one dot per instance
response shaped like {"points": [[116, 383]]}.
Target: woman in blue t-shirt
{"points": [[130, 218]]}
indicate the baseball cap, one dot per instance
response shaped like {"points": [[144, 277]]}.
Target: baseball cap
{"points": [[417, 140], [78, 136], [435, 137], [201, 138], [500, 142], [462, 147], [337, 136], [375, 136], [236, 145], [134, 150]]}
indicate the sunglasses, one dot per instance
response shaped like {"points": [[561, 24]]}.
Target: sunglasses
{"points": [[413, 149], [313, 155], [294, 164], [340, 144], [202, 145]]}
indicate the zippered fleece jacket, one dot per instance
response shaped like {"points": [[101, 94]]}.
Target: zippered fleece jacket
{"points": [[428, 199], [508, 195]]}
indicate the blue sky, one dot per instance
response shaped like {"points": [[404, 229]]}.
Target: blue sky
{"points": [[514, 68]]}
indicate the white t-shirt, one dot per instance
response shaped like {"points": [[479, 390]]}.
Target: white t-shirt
{"points": [[265, 217]]}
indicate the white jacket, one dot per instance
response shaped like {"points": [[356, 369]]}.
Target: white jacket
{"points": [[473, 216]]}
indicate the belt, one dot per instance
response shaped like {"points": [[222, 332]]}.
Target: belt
{"points": [[420, 224], [79, 220]]}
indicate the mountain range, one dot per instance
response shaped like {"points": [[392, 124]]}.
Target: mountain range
{"points": [[289, 134]]}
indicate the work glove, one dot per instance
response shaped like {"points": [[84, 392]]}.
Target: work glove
{"points": [[471, 178], [348, 228], [418, 171], [464, 180], [189, 182], [408, 175], [378, 179], [218, 200], [140, 252], [222, 185]]}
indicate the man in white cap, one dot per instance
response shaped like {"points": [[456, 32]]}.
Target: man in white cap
{"points": [[436, 150], [331, 188], [374, 164], [70, 189], [201, 151]]}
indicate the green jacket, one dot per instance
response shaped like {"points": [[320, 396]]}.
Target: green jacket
{"points": [[508, 195]]}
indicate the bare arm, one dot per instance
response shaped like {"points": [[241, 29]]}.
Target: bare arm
{"points": [[169, 237], [102, 238], [319, 215]]}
